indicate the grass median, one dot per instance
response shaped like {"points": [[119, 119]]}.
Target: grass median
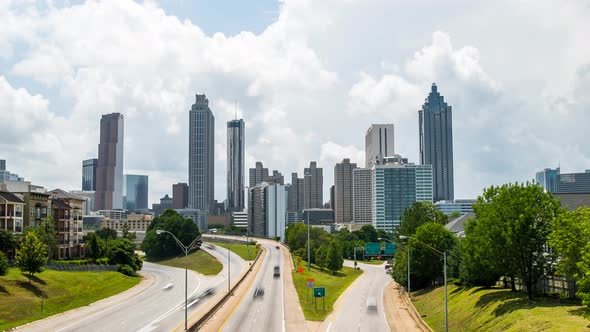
{"points": [[247, 252], [199, 261], [21, 302], [496, 309], [334, 284]]}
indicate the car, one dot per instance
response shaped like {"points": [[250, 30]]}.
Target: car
{"points": [[259, 291], [207, 292], [371, 305], [276, 247], [277, 271]]}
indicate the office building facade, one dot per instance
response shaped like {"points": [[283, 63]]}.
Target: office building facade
{"points": [[201, 155], [362, 191], [378, 144], [267, 210], [180, 196], [342, 200], [89, 168], [235, 165], [463, 206], [396, 188], [257, 175], [435, 121], [109, 173], [136, 192], [573, 183], [547, 179], [313, 183]]}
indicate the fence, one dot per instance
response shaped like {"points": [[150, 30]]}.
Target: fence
{"points": [[81, 268], [547, 284]]}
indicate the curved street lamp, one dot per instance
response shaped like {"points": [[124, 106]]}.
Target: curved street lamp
{"points": [[185, 249], [408, 253], [444, 255]]}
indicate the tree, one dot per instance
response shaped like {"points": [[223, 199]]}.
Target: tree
{"points": [[320, 256], [569, 239], [3, 264], [125, 232], [47, 233], [164, 245], [107, 234], [428, 264], [367, 233], [334, 260], [122, 252], [513, 224], [454, 215], [479, 266], [8, 243], [32, 255], [419, 214], [95, 246]]}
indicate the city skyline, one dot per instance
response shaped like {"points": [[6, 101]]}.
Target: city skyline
{"points": [[290, 96]]}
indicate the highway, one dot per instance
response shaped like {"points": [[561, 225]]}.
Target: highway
{"points": [[353, 313], [265, 312], [160, 307]]}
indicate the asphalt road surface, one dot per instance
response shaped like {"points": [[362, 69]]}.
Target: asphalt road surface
{"points": [[160, 307], [257, 312], [362, 307]]}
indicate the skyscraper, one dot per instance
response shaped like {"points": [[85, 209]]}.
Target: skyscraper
{"points": [[267, 210], [342, 203], [313, 178], [378, 144], [547, 179], [136, 192], [180, 196], [109, 173], [235, 165], [436, 143], [89, 174], [258, 174], [201, 155]]}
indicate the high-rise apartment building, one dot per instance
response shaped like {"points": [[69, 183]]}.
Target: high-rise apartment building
{"points": [[397, 187], [136, 192], [277, 177], [89, 167], [362, 184], [109, 172], [378, 144], [201, 155], [436, 143], [342, 200], [235, 165], [2, 165], [258, 174], [313, 184], [180, 196], [547, 179]]}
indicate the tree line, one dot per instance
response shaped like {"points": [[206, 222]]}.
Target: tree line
{"points": [[519, 235]]}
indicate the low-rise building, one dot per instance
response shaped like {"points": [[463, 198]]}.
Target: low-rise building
{"points": [[463, 206], [198, 216], [67, 211], [135, 222], [11, 212]]}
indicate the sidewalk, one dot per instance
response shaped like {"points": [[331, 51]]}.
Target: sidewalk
{"points": [[401, 316]]}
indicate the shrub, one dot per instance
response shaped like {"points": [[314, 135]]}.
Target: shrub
{"points": [[3, 264], [127, 270], [102, 261]]}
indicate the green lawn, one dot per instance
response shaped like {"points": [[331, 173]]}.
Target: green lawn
{"points": [[20, 302], [373, 262], [335, 285], [247, 253], [198, 260], [480, 309]]}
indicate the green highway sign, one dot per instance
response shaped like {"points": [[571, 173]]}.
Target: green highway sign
{"points": [[390, 249], [373, 249], [319, 292]]}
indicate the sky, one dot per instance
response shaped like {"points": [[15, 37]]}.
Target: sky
{"points": [[308, 77]]}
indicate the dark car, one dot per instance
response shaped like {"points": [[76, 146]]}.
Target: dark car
{"points": [[276, 247], [259, 291], [277, 271]]}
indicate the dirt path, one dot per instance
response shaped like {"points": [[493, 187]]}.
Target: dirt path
{"points": [[400, 315]]}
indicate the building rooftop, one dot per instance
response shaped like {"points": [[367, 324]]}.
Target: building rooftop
{"points": [[10, 197]]}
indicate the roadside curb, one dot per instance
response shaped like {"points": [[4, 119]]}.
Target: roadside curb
{"points": [[414, 313]]}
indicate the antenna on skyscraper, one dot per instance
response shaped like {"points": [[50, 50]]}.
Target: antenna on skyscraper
{"points": [[236, 111]]}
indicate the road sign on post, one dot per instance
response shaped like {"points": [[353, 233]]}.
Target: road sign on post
{"points": [[310, 284], [390, 249], [373, 249], [319, 292]]}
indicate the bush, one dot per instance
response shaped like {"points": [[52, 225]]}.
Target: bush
{"points": [[73, 262], [3, 264], [127, 270], [102, 261]]}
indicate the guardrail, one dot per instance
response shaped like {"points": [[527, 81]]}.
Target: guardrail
{"points": [[199, 323]]}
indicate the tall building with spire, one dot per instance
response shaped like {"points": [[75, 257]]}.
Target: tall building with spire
{"points": [[235, 165], [109, 172], [436, 143], [201, 155]]}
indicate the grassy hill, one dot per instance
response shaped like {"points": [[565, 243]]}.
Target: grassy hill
{"points": [[481, 309], [21, 301]]}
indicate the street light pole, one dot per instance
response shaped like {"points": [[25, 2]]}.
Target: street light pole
{"points": [[444, 255], [308, 248], [408, 255], [228, 269], [185, 249]]}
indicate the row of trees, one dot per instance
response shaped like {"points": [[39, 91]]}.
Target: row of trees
{"points": [[104, 246], [519, 233]]}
